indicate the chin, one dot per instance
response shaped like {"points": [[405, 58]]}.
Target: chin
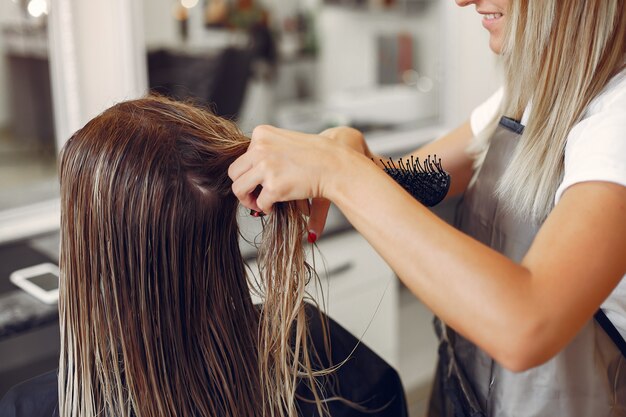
{"points": [[496, 45]]}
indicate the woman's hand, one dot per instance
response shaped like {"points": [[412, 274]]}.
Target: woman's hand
{"points": [[353, 139], [348, 137], [282, 165]]}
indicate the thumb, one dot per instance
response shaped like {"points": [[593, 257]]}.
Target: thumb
{"points": [[317, 218]]}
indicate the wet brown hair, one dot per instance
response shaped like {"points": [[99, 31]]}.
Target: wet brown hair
{"points": [[155, 311]]}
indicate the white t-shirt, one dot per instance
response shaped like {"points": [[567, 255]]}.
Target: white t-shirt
{"points": [[595, 151]]}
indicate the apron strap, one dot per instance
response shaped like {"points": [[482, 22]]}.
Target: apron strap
{"points": [[610, 329], [512, 124]]}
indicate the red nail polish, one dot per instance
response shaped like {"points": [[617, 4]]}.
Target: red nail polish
{"points": [[255, 213], [312, 237]]}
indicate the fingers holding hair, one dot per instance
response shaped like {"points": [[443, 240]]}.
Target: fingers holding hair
{"points": [[246, 181], [286, 165]]}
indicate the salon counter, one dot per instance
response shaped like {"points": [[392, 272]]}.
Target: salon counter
{"points": [[29, 329], [19, 311]]}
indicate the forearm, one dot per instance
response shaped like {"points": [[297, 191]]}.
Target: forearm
{"points": [[521, 314], [461, 280]]}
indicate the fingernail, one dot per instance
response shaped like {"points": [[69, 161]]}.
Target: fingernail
{"points": [[312, 236], [255, 213]]}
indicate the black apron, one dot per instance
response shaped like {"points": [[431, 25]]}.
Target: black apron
{"points": [[586, 379]]}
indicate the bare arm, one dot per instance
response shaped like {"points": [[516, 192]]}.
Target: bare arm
{"points": [[520, 313], [451, 148]]}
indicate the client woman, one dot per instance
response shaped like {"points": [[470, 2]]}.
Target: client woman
{"points": [[155, 311]]}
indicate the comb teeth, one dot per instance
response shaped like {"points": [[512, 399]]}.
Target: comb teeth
{"points": [[426, 181]]}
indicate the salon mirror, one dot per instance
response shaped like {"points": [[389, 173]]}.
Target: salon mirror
{"points": [[27, 135]]}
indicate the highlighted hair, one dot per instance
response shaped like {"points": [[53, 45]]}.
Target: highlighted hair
{"points": [[559, 55], [155, 311]]}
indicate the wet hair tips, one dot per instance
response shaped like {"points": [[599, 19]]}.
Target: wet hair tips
{"points": [[155, 309]]}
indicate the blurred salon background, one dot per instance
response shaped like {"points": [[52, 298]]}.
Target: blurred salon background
{"points": [[402, 71]]}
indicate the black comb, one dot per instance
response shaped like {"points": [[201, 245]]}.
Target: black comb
{"points": [[426, 181]]}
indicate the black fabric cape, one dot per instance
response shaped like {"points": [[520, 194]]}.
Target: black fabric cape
{"points": [[365, 379]]}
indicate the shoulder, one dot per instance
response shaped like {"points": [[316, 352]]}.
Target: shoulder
{"points": [[482, 115], [612, 96], [36, 397], [596, 145], [604, 121]]}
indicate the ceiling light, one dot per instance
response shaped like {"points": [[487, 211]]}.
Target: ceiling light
{"points": [[188, 4], [37, 8]]}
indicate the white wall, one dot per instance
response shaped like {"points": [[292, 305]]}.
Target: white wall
{"points": [[452, 44], [159, 25], [107, 55], [97, 58], [348, 39], [471, 73]]}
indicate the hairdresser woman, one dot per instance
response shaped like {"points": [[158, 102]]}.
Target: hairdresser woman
{"points": [[541, 241]]}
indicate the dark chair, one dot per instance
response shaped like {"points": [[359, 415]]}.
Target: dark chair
{"points": [[232, 74], [219, 81]]}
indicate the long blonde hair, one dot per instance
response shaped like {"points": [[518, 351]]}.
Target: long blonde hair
{"points": [[155, 311], [559, 55]]}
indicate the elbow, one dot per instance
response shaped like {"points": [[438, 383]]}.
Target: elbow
{"points": [[520, 361], [526, 349]]}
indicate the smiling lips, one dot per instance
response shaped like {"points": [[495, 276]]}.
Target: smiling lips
{"points": [[490, 20], [492, 16]]}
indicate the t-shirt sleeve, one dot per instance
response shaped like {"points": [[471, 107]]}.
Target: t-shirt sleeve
{"points": [[596, 150], [483, 114]]}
